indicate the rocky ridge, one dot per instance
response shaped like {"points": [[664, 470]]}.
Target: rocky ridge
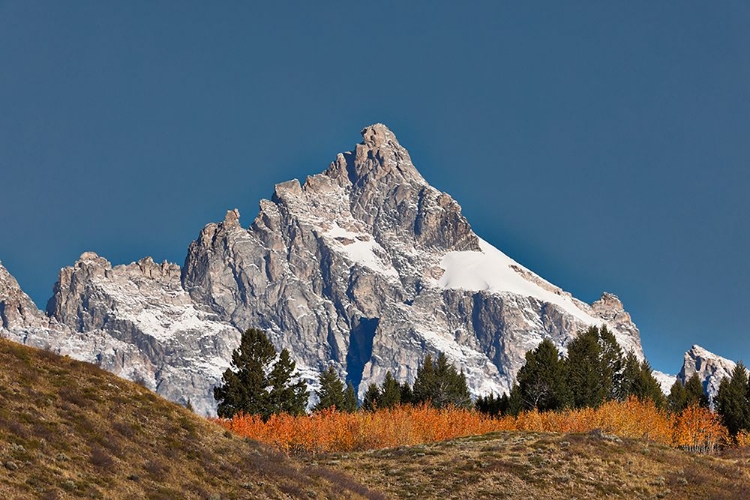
{"points": [[364, 266], [710, 367]]}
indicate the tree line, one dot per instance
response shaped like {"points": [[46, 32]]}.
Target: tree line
{"points": [[595, 371], [258, 382]]}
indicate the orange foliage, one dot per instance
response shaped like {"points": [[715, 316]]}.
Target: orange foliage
{"points": [[696, 429], [699, 429]]}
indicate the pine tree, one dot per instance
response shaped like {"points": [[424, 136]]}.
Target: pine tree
{"points": [[677, 399], [251, 386], [490, 405], [350, 399], [372, 395], [732, 400], [331, 392], [440, 384], [285, 396], [541, 380], [637, 379], [694, 393], [594, 367], [425, 385], [407, 395], [390, 392]]}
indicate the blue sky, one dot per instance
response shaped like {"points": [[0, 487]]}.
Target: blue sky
{"points": [[605, 145]]}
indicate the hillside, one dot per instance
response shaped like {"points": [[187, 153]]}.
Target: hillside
{"points": [[69, 429], [548, 466]]}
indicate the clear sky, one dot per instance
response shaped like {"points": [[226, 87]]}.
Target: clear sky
{"points": [[605, 145]]}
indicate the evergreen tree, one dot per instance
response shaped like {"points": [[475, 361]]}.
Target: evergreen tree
{"points": [[251, 386], [371, 399], [285, 396], [637, 379], [677, 399], [425, 385], [732, 400], [440, 384], [513, 402], [407, 395], [542, 381], [491, 405], [331, 392], [694, 393], [350, 399], [594, 367], [390, 392]]}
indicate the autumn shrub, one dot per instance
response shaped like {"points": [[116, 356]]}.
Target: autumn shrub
{"points": [[696, 429], [700, 430]]}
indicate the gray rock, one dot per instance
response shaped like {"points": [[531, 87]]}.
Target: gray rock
{"points": [[364, 266]]}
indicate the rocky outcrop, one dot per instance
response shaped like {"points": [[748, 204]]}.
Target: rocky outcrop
{"points": [[137, 322], [17, 310], [710, 367], [364, 266]]}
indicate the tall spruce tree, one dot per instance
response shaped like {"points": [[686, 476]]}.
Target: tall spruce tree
{"points": [[331, 392], [677, 399], [732, 400], [390, 392], [637, 379], [594, 367], [371, 401], [441, 385], [350, 399], [542, 380], [253, 384], [694, 393]]}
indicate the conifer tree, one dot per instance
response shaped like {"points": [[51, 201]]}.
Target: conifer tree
{"points": [[252, 386], [371, 400], [286, 396], [637, 379], [440, 384], [594, 367], [542, 380], [732, 400], [677, 399], [331, 392], [694, 393], [350, 399], [407, 395], [390, 392]]}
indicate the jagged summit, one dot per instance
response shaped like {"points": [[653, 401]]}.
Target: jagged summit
{"points": [[364, 266]]}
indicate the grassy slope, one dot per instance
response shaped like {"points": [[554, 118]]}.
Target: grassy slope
{"points": [[549, 466], [69, 429]]}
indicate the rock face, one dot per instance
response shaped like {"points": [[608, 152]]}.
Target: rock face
{"points": [[135, 321], [710, 367], [369, 267], [364, 266]]}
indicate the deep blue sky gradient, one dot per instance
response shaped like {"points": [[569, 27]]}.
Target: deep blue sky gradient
{"points": [[605, 145]]}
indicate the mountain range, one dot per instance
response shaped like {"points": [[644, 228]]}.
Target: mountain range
{"points": [[365, 267]]}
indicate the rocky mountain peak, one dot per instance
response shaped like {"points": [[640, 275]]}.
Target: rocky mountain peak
{"points": [[710, 367], [16, 308]]}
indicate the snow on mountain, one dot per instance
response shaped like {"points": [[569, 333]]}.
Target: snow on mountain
{"points": [[364, 266], [710, 367]]}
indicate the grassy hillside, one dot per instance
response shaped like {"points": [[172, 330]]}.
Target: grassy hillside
{"points": [[69, 429], [548, 466]]}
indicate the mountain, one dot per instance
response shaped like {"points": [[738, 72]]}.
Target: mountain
{"points": [[710, 367], [364, 266]]}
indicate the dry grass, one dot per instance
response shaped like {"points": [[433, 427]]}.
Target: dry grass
{"points": [[69, 429], [549, 466]]}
